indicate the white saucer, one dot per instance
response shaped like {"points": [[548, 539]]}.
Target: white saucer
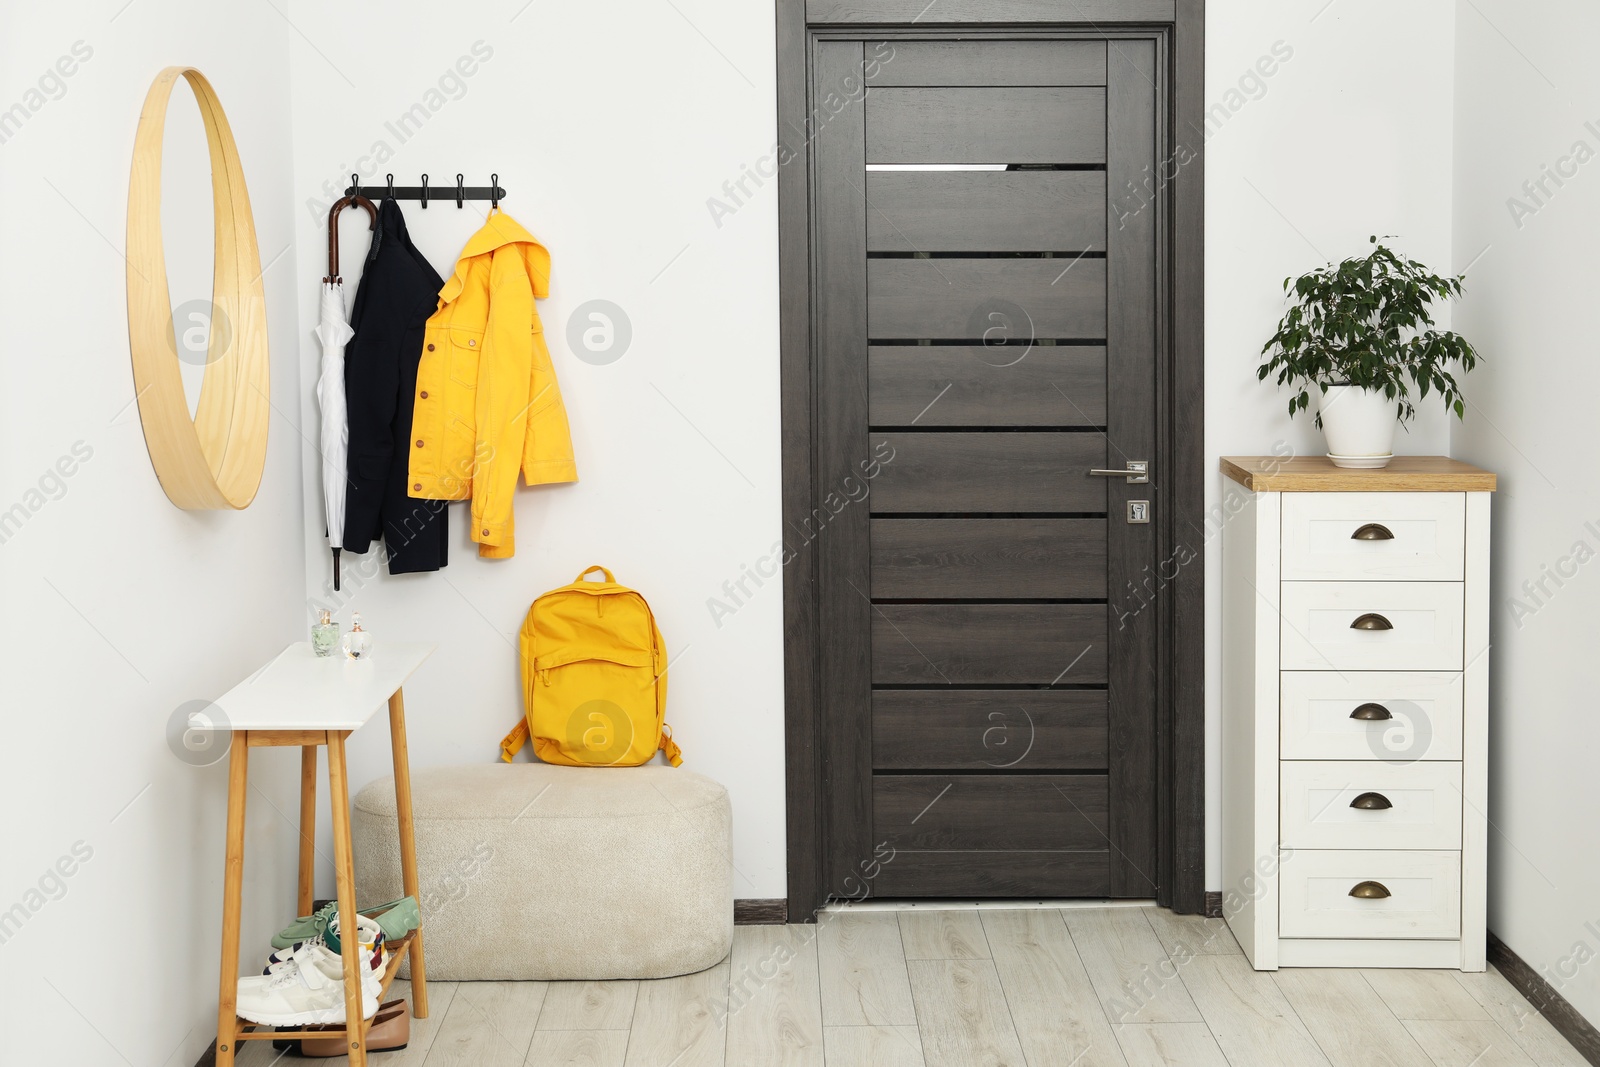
{"points": [[1361, 462]]}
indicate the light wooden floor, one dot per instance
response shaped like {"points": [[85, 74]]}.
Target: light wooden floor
{"points": [[1028, 988]]}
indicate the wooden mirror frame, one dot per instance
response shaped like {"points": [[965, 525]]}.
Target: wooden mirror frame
{"points": [[215, 459]]}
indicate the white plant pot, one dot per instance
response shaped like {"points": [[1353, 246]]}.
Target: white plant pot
{"points": [[1359, 425]]}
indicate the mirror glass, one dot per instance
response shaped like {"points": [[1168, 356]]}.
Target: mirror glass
{"points": [[189, 241]]}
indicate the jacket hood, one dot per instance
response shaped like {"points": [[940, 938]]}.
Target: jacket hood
{"points": [[500, 230]]}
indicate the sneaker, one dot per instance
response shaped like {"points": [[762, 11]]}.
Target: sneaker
{"points": [[397, 918], [369, 933], [308, 992]]}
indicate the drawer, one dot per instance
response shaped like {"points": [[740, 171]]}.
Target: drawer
{"points": [[1419, 626], [1370, 805], [1424, 894], [1417, 715], [1418, 537]]}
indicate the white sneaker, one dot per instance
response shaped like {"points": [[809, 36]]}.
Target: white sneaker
{"points": [[308, 990]]}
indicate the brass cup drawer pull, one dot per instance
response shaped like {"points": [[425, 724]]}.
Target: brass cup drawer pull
{"points": [[1373, 531], [1371, 621], [1372, 802], [1371, 713], [1370, 891]]}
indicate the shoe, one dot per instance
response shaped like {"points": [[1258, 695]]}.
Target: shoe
{"points": [[397, 918], [369, 932], [310, 990], [390, 1032]]}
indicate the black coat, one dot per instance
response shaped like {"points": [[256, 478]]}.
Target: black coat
{"points": [[399, 291]]}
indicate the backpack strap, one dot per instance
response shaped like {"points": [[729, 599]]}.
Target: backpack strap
{"points": [[670, 747], [591, 570], [513, 742]]}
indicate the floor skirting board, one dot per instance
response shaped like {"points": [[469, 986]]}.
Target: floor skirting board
{"points": [[1580, 1032], [761, 912]]}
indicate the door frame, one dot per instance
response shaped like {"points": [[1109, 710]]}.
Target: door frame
{"points": [[1178, 28]]}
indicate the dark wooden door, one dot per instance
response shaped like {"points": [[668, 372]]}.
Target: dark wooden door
{"points": [[985, 335]]}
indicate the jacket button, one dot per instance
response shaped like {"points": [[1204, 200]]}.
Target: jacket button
{"points": [[486, 531], [419, 442], [417, 488], [430, 348], [471, 342], [424, 394]]}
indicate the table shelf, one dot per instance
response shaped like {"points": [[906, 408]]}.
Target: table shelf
{"points": [[398, 951]]}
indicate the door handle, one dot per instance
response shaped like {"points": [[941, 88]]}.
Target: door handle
{"points": [[1372, 621], [1372, 802], [1137, 472], [1370, 891], [1371, 713]]}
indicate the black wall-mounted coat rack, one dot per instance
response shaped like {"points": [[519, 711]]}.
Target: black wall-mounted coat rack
{"points": [[459, 192]]}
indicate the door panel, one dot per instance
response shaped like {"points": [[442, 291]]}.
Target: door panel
{"points": [[959, 298], [976, 385], [983, 340], [989, 125], [988, 644], [979, 811], [1132, 569], [959, 559], [986, 472], [986, 211], [1017, 730], [994, 874], [941, 63]]}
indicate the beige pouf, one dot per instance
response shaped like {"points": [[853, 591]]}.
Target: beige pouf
{"points": [[535, 872]]}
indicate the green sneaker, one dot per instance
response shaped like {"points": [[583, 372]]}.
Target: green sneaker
{"points": [[397, 918]]}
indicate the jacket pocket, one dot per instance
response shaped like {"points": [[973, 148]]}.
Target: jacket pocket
{"points": [[466, 347]]}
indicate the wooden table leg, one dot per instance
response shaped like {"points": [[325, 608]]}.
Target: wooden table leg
{"points": [[344, 880], [232, 899], [408, 844], [308, 828]]}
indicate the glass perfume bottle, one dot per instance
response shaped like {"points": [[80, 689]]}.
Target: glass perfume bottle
{"points": [[358, 642], [324, 634]]}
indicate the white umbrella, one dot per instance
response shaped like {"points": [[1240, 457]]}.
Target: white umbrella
{"points": [[334, 333]]}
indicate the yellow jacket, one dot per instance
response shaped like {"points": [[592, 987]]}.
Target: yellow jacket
{"points": [[487, 402]]}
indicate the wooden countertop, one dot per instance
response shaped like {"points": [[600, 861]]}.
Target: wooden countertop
{"points": [[1317, 474]]}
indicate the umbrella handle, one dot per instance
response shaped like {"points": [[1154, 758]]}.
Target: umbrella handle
{"points": [[354, 199], [336, 570]]}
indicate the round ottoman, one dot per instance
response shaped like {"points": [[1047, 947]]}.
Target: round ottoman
{"points": [[536, 872]]}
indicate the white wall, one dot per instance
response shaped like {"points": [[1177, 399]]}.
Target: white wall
{"points": [[118, 608], [610, 129], [1528, 102], [1347, 137]]}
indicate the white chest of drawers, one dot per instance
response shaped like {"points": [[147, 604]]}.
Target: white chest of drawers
{"points": [[1355, 712]]}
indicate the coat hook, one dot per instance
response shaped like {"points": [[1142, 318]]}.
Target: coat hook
{"points": [[424, 192], [494, 190], [355, 185], [391, 187], [461, 191]]}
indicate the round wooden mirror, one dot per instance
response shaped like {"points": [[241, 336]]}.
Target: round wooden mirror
{"points": [[215, 459]]}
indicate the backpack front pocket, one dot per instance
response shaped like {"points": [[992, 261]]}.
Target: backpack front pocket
{"points": [[596, 712]]}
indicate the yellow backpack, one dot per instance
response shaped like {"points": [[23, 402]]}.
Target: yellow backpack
{"points": [[594, 678]]}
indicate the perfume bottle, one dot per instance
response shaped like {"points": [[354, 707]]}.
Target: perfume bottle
{"points": [[358, 642], [324, 634]]}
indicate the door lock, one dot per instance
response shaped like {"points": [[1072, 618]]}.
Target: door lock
{"points": [[1137, 472], [1138, 511]]}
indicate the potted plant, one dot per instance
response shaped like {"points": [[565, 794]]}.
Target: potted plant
{"points": [[1362, 333]]}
